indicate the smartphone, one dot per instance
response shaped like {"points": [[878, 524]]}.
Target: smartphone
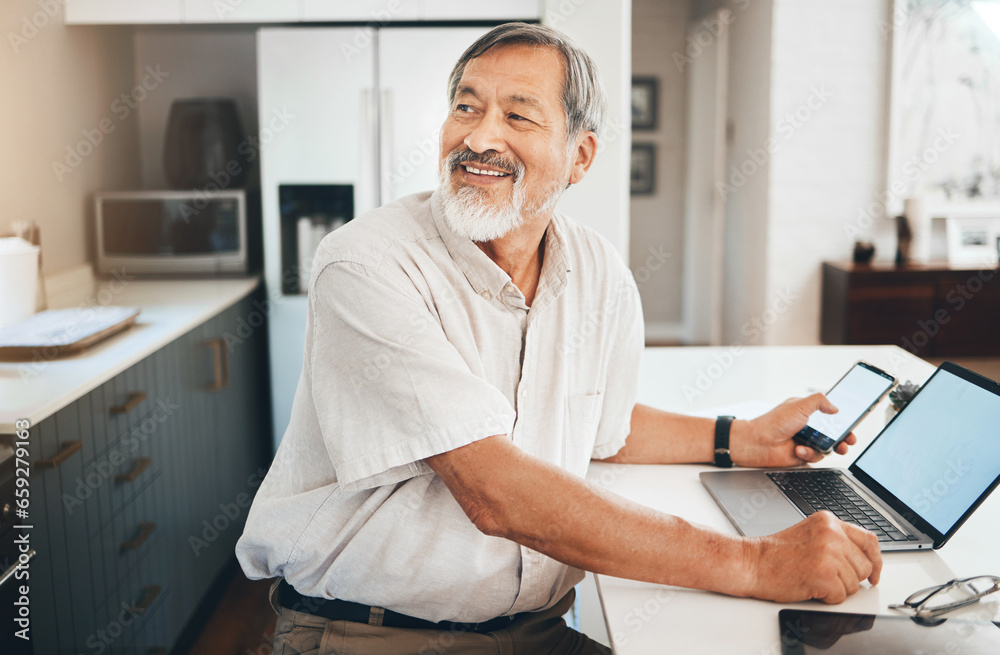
{"points": [[854, 395]]}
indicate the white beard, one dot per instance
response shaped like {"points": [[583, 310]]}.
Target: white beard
{"points": [[468, 215]]}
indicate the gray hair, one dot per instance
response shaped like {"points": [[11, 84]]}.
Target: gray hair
{"points": [[584, 98]]}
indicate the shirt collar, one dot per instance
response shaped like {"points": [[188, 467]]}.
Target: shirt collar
{"points": [[489, 279]]}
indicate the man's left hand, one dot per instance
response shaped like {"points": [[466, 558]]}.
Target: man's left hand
{"points": [[767, 439]]}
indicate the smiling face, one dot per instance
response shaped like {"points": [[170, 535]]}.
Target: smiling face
{"points": [[505, 158]]}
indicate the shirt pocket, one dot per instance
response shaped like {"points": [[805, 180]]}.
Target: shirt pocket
{"points": [[583, 415]]}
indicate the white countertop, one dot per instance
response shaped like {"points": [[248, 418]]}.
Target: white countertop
{"points": [[37, 389], [646, 618]]}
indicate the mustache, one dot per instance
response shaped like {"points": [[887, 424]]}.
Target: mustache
{"points": [[489, 158]]}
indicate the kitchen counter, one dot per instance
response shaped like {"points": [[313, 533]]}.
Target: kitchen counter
{"points": [[35, 390]]}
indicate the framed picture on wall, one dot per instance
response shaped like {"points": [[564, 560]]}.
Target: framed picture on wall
{"points": [[644, 91], [643, 169], [973, 241]]}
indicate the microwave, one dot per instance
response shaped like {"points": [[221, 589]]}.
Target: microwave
{"points": [[194, 232]]}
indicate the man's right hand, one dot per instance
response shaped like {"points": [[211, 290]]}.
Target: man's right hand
{"points": [[820, 557]]}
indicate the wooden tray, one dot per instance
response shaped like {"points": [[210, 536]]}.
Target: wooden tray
{"points": [[61, 332]]}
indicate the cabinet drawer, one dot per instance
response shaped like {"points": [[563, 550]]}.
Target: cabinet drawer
{"points": [[132, 535], [968, 315], [167, 614], [115, 406], [190, 442], [126, 471], [886, 314], [129, 608]]}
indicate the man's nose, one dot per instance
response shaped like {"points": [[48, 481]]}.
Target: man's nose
{"points": [[487, 135]]}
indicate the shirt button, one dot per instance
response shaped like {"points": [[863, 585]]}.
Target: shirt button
{"points": [[485, 294], [524, 391]]}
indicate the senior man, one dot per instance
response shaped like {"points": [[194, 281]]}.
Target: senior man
{"points": [[468, 352]]}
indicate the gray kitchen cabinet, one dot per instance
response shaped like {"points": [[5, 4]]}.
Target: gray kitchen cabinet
{"points": [[136, 490]]}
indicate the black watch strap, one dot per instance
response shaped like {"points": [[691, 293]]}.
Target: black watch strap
{"points": [[722, 426]]}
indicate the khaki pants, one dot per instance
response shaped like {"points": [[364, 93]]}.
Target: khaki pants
{"points": [[536, 633]]}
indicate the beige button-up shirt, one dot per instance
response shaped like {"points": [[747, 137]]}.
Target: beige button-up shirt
{"points": [[416, 344]]}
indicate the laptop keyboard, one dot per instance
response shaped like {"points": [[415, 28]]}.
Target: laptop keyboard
{"points": [[815, 490]]}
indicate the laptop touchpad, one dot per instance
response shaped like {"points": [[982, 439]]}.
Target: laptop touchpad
{"points": [[759, 511]]}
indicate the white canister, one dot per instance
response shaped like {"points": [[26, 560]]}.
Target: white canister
{"points": [[920, 228], [18, 279]]}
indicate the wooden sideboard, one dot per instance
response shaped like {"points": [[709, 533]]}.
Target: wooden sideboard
{"points": [[929, 309]]}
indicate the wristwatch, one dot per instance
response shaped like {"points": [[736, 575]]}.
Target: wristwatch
{"points": [[722, 426]]}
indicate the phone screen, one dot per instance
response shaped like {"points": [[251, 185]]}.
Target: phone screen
{"points": [[853, 396]]}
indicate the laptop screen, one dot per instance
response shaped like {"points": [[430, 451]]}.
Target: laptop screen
{"points": [[941, 452]]}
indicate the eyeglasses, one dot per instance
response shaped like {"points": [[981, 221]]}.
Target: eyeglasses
{"points": [[952, 595]]}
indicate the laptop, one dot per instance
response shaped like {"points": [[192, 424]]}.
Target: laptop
{"points": [[914, 486]]}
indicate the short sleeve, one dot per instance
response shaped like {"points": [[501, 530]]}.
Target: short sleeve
{"points": [[388, 387], [622, 385]]}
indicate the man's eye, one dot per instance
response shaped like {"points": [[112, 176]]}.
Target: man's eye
{"points": [[516, 117], [463, 108]]}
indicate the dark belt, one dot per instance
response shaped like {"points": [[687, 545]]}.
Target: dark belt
{"points": [[343, 610]]}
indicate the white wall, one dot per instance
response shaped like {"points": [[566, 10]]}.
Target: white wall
{"points": [[204, 62], [835, 162], [59, 82], [604, 30], [748, 203], [812, 77], [658, 33]]}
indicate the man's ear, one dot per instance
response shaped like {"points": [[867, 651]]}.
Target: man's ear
{"points": [[583, 155]]}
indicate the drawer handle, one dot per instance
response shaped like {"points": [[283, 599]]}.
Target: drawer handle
{"points": [[149, 594], [140, 465], [66, 450], [145, 530], [134, 398], [220, 364]]}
